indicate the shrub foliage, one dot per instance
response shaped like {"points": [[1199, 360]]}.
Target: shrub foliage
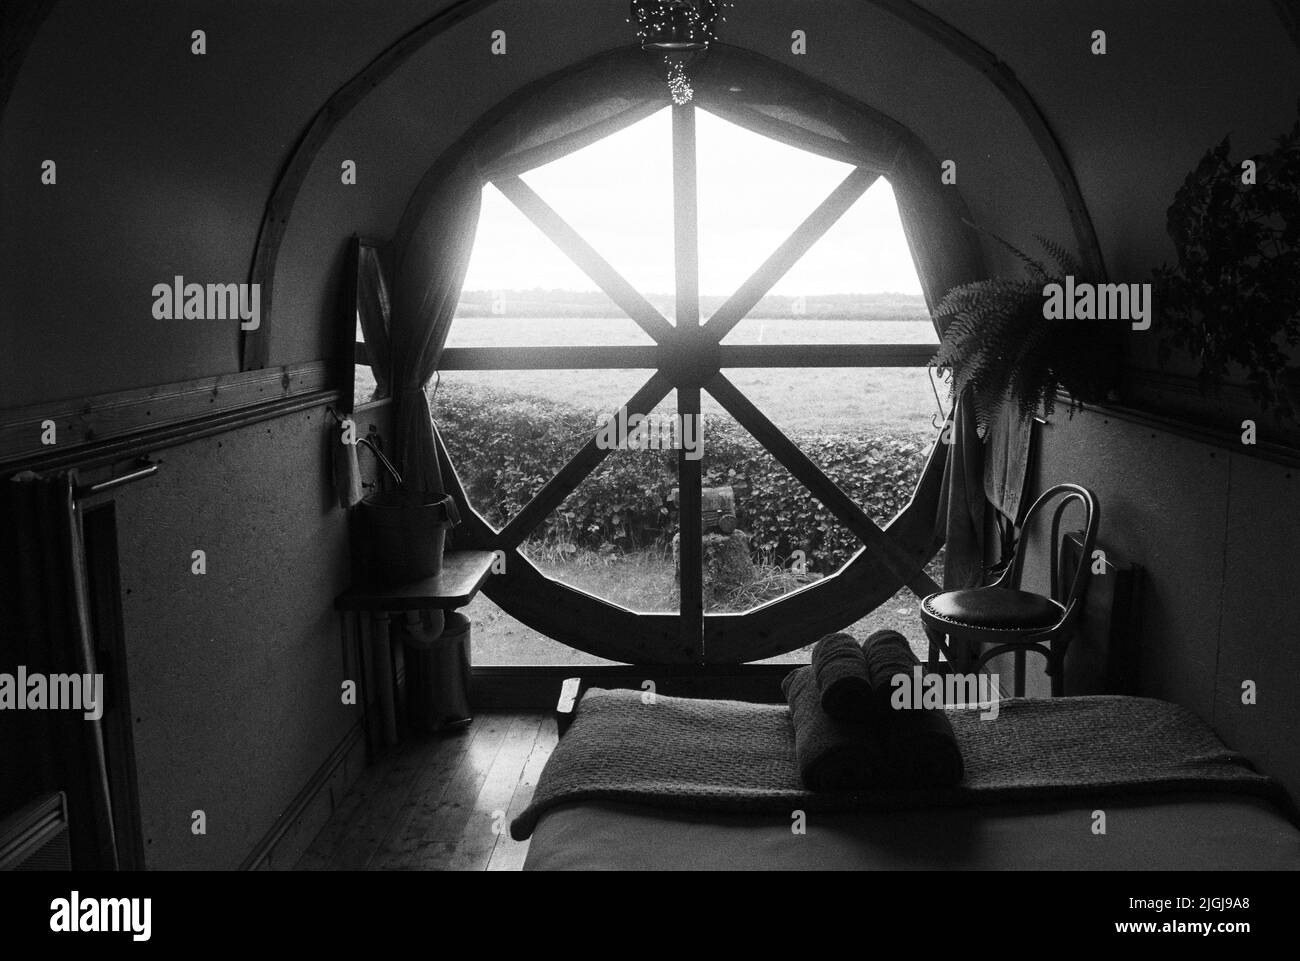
{"points": [[505, 447]]}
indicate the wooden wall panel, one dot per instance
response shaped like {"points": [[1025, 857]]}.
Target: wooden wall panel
{"points": [[1260, 624], [1215, 531], [235, 674], [1162, 508]]}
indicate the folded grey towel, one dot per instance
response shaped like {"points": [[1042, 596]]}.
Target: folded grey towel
{"points": [[840, 670], [920, 745], [832, 755]]}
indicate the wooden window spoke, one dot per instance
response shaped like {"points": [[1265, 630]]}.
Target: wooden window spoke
{"points": [[573, 473], [822, 487], [558, 231], [795, 246]]}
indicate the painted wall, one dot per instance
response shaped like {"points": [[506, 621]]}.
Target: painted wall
{"points": [[165, 161], [1214, 532], [234, 674]]}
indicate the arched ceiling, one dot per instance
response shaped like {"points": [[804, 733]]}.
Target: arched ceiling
{"points": [[166, 160]]}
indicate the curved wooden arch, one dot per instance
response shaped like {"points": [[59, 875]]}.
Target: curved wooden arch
{"points": [[603, 629], [255, 344], [1006, 83]]}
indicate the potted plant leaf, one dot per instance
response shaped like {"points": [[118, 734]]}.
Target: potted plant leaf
{"points": [[1232, 301], [1002, 349]]}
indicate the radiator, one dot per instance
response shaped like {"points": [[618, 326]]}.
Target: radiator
{"points": [[36, 837]]}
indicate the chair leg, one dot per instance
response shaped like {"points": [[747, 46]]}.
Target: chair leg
{"points": [[1056, 671], [932, 661], [1018, 682]]}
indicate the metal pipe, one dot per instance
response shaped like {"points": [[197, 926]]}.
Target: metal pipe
{"points": [[86, 490]]}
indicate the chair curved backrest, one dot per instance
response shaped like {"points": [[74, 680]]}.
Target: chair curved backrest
{"points": [[1068, 494]]}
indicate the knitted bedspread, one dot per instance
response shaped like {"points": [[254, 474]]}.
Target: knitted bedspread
{"points": [[738, 758]]}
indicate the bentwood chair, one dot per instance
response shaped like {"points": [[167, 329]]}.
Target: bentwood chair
{"points": [[961, 623]]}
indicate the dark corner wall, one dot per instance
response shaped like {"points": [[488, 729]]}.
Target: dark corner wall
{"points": [[163, 164], [1212, 523]]}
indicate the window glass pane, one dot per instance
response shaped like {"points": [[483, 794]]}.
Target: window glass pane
{"points": [[612, 537], [363, 384], [899, 613], [753, 192], [522, 291], [857, 285], [618, 195], [869, 429], [498, 640], [509, 432], [764, 534]]}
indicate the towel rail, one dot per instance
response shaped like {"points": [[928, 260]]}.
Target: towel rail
{"points": [[145, 469]]}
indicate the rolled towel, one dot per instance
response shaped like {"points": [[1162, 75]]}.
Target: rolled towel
{"points": [[840, 670], [887, 654], [920, 745], [832, 755]]}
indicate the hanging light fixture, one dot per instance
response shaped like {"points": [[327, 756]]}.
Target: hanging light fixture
{"points": [[677, 31], [674, 26]]}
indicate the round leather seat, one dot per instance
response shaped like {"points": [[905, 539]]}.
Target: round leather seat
{"points": [[995, 608]]}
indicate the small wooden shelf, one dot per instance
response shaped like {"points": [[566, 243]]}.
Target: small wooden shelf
{"points": [[462, 574]]}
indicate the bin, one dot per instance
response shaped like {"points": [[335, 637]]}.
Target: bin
{"points": [[438, 675], [403, 534]]}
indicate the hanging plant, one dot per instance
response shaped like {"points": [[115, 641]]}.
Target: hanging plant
{"points": [[1001, 349], [1233, 298]]}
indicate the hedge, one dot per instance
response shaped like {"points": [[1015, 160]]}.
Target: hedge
{"points": [[506, 446]]}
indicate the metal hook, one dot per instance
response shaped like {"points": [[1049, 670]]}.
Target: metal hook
{"points": [[937, 421]]}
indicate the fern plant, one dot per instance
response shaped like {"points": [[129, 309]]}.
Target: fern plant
{"points": [[1002, 350]]}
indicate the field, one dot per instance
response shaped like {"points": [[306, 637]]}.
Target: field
{"points": [[798, 400]]}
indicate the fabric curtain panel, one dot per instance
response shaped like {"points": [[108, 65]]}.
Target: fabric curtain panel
{"points": [[591, 100], [435, 238], [431, 254], [46, 631], [374, 311]]}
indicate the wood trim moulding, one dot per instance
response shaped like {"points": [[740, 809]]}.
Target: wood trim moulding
{"points": [[1219, 438], [20, 22], [536, 687], [265, 854], [113, 426], [1288, 11], [256, 344]]}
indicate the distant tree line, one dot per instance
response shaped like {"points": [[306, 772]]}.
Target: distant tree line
{"points": [[580, 303]]}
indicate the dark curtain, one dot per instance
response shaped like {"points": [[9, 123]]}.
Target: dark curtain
{"points": [[578, 106], [44, 616], [374, 311]]}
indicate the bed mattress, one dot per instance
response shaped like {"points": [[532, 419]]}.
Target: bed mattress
{"points": [[1174, 832]]}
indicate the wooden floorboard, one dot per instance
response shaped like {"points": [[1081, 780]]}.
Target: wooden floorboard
{"points": [[509, 854], [472, 844], [410, 825], [440, 802]]}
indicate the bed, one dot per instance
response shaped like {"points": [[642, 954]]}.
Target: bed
{"points": [[682, 784]]}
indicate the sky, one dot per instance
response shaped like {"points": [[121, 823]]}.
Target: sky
{"points": [[753, 192]]}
